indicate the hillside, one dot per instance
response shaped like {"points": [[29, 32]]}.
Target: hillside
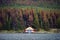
{"points": [[40, 3]]}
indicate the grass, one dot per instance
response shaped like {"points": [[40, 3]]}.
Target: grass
{"points": [[40, 31]]}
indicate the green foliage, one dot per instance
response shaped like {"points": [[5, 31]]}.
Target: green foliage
{"points": [[7, 24], [20, 27], [36, 22], [58, 22]]}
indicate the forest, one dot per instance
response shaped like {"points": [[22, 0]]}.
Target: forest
{"points": [[21, 18]]}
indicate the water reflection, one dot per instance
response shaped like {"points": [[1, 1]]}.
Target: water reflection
{"points": [[19, 36]]}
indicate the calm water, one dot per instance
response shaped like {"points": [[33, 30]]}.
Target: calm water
{"points": [[20, 36]]}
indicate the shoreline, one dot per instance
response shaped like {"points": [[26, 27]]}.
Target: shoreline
{"points": [[38, 32]]}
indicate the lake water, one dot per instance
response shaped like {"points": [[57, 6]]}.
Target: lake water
{"points": [[21, 36]]}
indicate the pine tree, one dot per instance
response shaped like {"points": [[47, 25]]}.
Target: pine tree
{"points": [[36, 21]]}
